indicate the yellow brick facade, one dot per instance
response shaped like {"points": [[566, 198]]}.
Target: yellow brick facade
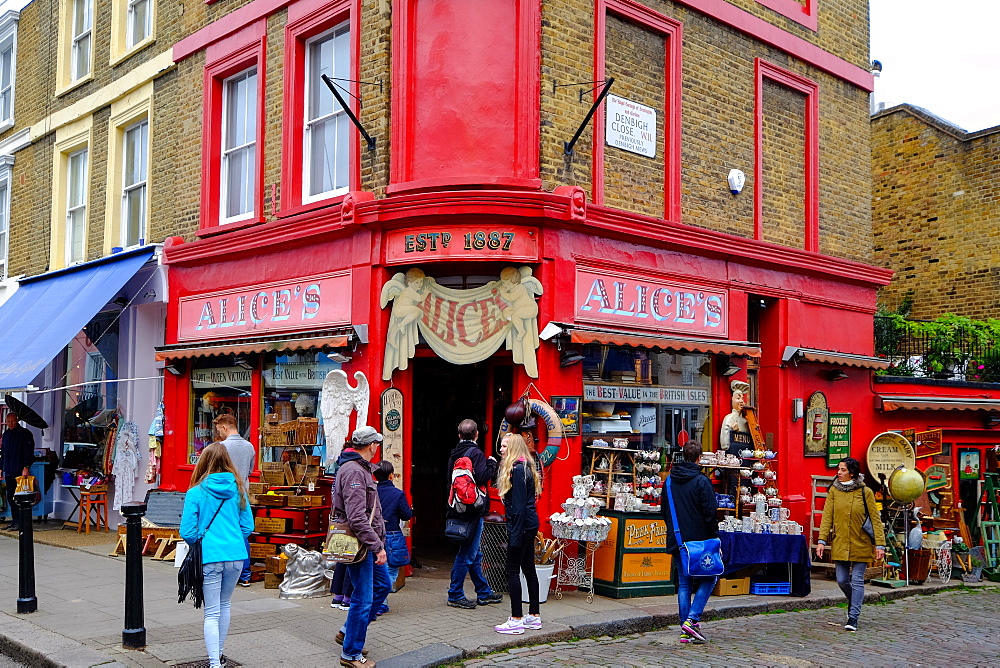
{"points": [[936, 213]]}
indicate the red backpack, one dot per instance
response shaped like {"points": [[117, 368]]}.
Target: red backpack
{"points": [[465, 494]]}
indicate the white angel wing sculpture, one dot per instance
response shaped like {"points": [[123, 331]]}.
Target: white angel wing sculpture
{"points": [[337, 403]]}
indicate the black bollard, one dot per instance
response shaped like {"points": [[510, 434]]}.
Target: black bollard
{"points": [[134, 635], [26, 601]]}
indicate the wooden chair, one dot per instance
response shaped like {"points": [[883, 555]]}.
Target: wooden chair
{"points": [[93, 499]]}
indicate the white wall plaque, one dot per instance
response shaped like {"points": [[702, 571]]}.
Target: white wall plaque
{"points": [[630, 126]]}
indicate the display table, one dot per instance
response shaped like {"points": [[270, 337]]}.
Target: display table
{"points": [[740, 550]]}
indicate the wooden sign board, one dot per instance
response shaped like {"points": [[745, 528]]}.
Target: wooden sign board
{"points": [[886, 452], [839, 438], [928, 443], [391, 411], [750, 413], [937, 477]]}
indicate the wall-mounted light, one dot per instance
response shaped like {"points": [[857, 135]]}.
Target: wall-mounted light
{"points": [[728, 366], [174, 369], [836, 374], [339, 358], [736, 181], [243, 363], [992, 420], [798, 409]]}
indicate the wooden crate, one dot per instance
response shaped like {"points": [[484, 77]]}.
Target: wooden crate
{"points": [[304, 501], [272, 580], [276, 565], [732, 587], [257, 488], [306, 430], [270, 524], [262, 550], [273, 500]]}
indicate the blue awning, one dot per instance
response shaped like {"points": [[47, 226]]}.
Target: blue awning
{"points": [[47, 311]]}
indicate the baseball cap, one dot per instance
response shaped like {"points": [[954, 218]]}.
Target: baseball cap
{"points": [[365, 436]]}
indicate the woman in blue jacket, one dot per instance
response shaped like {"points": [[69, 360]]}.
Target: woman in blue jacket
{"points": [[216, 508], [519, 486]]}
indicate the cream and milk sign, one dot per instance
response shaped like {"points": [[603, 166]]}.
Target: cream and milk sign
{"points": [[630, 126]]}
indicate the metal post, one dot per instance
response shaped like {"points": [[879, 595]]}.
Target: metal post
{"points": [[26, 601], [134, 635]]}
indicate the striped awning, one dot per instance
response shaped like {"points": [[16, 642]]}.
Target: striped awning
{"points": [[794, 353], [335, 339], [911, 403], [615, 337]]}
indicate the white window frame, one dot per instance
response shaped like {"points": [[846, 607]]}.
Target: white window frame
{"points": [[80, 207], [131, 39], [140, 185], [77, 35], [8, 41], [6, 168], [342, 31], [229, 152]]}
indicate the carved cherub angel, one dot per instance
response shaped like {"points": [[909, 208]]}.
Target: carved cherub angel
{"points": [[518, 288], [337, 402], [406, 291]]}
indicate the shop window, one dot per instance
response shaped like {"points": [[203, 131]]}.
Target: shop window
{"points": [[326, 124], [128, 196], [639, 410], [292, 385], [91, 359], [139, 22], [218, 387], [239, 146], [8, 67]]}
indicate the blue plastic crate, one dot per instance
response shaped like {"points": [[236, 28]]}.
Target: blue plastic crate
{"points": [[771, 588]]}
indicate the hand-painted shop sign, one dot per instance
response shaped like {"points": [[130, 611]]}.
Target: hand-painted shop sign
{"points": [[391, 411], [314, 303], [839, 440], [645, 533], [645, 395], [604, 297], [462, 326], [630, 126], [451, 242], [887, 451]]}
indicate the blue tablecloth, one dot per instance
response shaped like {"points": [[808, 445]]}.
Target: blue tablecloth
{"points": [[740, 550]]}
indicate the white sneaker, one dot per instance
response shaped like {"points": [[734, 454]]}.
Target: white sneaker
{"points": [[512, 627], [533, 622]]}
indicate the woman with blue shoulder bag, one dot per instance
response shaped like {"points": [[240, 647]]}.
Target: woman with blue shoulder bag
{"points": [[689, 510], [394, 508]]}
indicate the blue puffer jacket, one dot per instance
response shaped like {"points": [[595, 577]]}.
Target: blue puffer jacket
{"points": [[226, 538]]}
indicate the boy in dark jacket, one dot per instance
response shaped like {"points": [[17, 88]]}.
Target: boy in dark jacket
{"points": [[394, 508], [470, 558], [696, 508]]}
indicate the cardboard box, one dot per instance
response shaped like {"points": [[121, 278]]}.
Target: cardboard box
{"points": [[272, 580], [276, 565], [262, 550], [270, 524], [732, 587]]}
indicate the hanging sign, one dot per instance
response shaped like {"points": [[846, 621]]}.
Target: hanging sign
{"points": [[462, 242], [309, 303], [644, 394], [392, 432], [605, 297], [839, 443], [817, 419], [630, 126], [886, 452], [928, 443], [462, 326]]}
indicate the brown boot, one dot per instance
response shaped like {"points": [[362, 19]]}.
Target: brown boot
{"points": [[340, 641], [359, 663]]}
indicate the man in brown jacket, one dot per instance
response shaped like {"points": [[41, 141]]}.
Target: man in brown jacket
{"points": [[355, 500]]}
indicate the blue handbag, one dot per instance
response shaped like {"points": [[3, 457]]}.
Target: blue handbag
{"points": [[698, 558], [396, 554]]}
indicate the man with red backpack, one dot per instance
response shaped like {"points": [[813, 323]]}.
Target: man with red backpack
{"points": [[470, 558]]}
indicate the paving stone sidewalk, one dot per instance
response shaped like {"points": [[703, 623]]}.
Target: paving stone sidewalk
{"points": [[81, 615]]}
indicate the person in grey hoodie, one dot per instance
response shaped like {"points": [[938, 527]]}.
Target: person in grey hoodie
{"points": [[242, 453], [217, 511]]}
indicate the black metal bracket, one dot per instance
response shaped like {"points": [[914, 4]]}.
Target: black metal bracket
{"points": [[556, 86], [350, 114], [568, 146], [377, 82]]}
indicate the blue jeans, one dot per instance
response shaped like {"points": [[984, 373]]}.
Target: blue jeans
{"points": [[851, 578], [688, 606], [245, 575], [220, 581], [469, 560], [371, 586]]}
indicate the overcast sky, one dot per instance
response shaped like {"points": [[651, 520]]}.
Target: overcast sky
{"points": [[942, 56]]}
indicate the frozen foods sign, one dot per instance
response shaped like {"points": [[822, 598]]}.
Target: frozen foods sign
{"points": [[630, 126]]}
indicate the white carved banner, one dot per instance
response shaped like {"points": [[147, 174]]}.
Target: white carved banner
{"points": [[462, 326]]}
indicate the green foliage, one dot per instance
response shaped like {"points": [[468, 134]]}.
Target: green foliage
{"points": [[948, 345]]}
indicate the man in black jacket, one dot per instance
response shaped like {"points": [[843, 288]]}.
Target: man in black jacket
{"points": [[17, 450], [696, 508], [470, 558]]}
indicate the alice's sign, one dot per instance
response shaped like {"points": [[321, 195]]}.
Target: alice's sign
{"points": [[462, 326], [449, 242], [313, 303], [604, 297], [640, 394]]}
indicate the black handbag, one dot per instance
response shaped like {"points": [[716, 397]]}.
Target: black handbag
{"points": [[867, 526], [191, 575], [458, 530]]}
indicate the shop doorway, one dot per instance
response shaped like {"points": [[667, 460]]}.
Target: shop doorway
{"points": [[444, 394]]}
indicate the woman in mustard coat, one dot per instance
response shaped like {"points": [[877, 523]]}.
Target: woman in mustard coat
{"points": [[852, 549]]}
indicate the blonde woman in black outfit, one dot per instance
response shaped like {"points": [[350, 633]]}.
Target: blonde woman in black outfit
{"points": [[519, 487]]}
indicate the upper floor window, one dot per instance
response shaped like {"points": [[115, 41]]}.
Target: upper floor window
{"points": [[239, 146], [76, 207], [326, 125], [8, 67], [82, 26], [136, 165], [140, 24], [4, 214]]}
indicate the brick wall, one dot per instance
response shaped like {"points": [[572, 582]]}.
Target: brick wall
{"points": [[936, 212], [783, 169]]}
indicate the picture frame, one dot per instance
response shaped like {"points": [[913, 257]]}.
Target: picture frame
{"points": [[969, 464], [568, 410]]}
